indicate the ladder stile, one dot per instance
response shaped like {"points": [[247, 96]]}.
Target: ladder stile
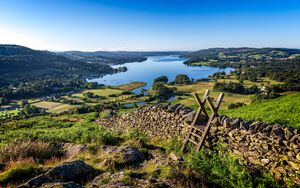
{"points": [[200, 134]]}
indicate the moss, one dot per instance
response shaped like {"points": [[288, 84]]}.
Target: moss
{"points": [[165, 171], [126, 179], [19, 174]]}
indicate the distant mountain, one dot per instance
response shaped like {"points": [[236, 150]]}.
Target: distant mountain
{"points": [[115, 57], [21, 61], [241, 53]]}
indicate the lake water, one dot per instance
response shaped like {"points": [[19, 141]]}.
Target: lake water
{"points": [[156, 66]]}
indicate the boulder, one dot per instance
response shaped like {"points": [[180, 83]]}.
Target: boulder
{"points": [[36, 181], [76, 171], [131, 155]]}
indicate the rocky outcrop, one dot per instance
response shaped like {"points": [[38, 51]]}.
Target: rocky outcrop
{"points": [[275, 148], [66, 173]]}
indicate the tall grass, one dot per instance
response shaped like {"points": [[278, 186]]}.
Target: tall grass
{"points": [[38, 151], [223, 169]]}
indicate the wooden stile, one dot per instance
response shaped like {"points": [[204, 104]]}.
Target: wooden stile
{"points": [[198, 133]]}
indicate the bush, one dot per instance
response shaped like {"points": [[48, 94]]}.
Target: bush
{"points": [[235, 105]]}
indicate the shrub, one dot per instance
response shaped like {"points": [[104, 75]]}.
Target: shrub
{"points": [[235, 105]]}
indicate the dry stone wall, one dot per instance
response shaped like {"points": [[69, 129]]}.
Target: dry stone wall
{"points": [[275, 148]]}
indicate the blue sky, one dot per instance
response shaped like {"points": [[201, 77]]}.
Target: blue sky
{"points": [[149, 24]]}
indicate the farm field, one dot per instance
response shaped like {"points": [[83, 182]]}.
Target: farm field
{"points": [[200, 88], [53, 107]]}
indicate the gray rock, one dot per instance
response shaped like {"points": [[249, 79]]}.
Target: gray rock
{"points": [[73, 149], [132, 155], [244, 125], [278, 133], [76, 171], [36, 181], [226, 122], [61, 185]]}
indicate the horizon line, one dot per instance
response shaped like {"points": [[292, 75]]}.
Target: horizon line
{"points": [[145, 50]]}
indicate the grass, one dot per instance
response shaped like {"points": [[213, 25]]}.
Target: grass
{"points": [[283, 110], [200, 88], [9, 113], [113, 93], [19, 174], [105, 92], [53, 107], [57, 130], [218, 166], [224, 170]]}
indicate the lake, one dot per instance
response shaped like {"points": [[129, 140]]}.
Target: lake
{"points": [[156, 66]]}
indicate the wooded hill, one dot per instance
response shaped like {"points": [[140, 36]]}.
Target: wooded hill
{"points": [[22, 61], [115, 57], [236, 54]]}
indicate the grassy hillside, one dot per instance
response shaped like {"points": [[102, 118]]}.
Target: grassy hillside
{"points": [[283, 110]]}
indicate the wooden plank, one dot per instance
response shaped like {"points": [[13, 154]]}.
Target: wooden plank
{"points": [[193, 142], [196, 135]]}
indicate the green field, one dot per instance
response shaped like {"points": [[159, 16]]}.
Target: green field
{"points": [[200, 88], [53, 107], [112, 90], [284, 110]]}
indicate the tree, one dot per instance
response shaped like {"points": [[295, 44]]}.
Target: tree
{"points": [[91, 85], [3, 101], [161, 91], [23, 102], [182, 79], [88, 95], [163, 79]]}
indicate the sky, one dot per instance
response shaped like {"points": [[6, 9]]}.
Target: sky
{"points": [[144, 25]]}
